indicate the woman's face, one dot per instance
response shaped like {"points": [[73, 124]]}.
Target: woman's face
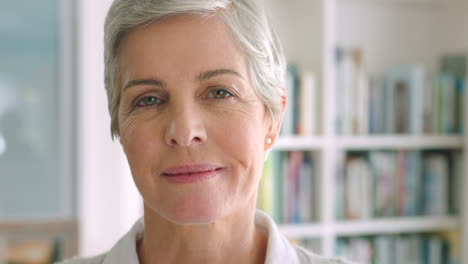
{"points": [[190, 123]]}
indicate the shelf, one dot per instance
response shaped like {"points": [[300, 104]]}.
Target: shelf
{"points": [[300, 143], [302, 230], [365, 142], [396, 226], [402, 142], [428, 3]]}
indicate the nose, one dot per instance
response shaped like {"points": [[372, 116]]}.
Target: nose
{"points": [[185, 128]]}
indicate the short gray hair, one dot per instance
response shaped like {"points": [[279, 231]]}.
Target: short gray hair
{"points": [[246, 20]]}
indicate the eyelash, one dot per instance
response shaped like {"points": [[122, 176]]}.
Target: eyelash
{"points": [[138, 103], [228, 92]]}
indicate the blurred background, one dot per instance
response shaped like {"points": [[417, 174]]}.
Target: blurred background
{"points": [[371, 160]]}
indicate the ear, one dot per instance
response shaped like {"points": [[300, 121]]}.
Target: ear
{"points": [[275, 125]]}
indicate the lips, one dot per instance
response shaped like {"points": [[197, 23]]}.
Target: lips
{"points": [[186, 170], [189, 174]]}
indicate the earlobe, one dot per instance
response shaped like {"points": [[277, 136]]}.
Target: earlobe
{"points": [[268, 143]]}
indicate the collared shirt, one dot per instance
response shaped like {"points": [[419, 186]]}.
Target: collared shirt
{"points": [[279, 250]]}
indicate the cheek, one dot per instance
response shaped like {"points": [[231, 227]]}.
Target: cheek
{"points": [[242, 141], [139, 142], [141, 151]]}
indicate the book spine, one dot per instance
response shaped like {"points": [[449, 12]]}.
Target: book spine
{"points": [[416, 111], [308, 107]]}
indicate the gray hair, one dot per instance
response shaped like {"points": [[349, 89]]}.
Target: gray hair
{"points": [[246, 20]]}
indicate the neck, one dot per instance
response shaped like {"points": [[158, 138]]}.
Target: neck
{"points": [[231, 239]]}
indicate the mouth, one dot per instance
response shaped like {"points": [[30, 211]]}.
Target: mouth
{"points": [[191, 173]]}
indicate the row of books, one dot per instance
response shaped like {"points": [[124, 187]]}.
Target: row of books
{"points": [[286, 190], [407, 99], [397, 183], [300, 117], [400, 249]]}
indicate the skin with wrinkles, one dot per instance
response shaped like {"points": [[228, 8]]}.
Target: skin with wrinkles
{"points": [[184, 116]]}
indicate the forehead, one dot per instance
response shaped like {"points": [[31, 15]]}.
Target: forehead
{"points": [[180, 46]]}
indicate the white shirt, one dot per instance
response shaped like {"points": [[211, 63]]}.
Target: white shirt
{"points": [[279, 250]]}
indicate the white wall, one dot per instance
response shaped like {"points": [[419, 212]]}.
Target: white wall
{"points": [[108, 202], [425, 31]]}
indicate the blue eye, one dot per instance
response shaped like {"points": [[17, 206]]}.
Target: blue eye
{"points": [[148, 101], [219, 94]]}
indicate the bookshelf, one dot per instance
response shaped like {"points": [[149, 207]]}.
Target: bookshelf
{"points": [[389, 33]]}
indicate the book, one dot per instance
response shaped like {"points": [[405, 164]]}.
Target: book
{"points": [[404, 92], [447, 105], [265, 198], [306, 193], [359, 188], [308, 104], [435, 192], [412, 205], [375, 106], [456, 65], [277, 160], [384, 163], [384, 246], [288, 126]]}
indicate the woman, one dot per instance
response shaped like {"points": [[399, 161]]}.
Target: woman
{"points": [[196, 97]]}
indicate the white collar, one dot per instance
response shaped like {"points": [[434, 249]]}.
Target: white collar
{"points": [[279, 250]]}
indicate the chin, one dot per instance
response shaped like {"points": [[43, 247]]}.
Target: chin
{"points": [[193, 211]]}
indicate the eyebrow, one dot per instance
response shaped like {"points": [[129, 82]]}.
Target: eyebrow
{"points": [[213, 73], [201, 77], [150, 82]]}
